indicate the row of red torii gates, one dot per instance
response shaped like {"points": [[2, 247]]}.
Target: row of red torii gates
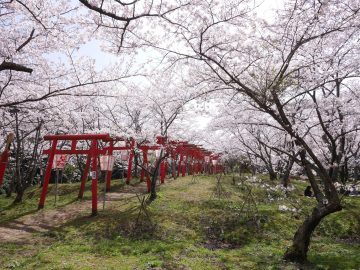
{"points": [[99, 150]]}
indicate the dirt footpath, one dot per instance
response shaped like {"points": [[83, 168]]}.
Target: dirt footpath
{"points": [[21, 230]]}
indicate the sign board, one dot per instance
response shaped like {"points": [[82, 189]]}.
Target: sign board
{"points": [[59, 161], [157, 153], [107, 162], [124, 155]]}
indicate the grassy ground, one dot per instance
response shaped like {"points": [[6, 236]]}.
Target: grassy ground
{"points": [[192, 227]]}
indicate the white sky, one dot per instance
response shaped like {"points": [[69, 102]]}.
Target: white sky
{"points": [[265, 9]]}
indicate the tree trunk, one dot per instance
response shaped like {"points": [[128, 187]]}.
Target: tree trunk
{"points": [[153, 184], [272, 173], [19, 195], [154, 178], [8, 190], [173, 169], [298, 251], [357, 172], [286, 176], [334, 173], [344, 172], [136, 162]]}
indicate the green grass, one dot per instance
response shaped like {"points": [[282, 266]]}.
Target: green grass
{"points": [[67, 194], [193, 230]]}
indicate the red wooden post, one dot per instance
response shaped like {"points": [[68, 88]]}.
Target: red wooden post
{"points": [[166, 169], [73, 145], [3, 163], [131, 157], [148, 184], [47, 174], [94, 177], [84, 177], [162, 172], [109, 173]]}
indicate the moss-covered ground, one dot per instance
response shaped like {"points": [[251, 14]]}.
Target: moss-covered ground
{"points": [[192, 227]]}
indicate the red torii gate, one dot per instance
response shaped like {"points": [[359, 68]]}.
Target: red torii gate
{"points": [[188, 155], [92, 154], [197, 159], [173, 148]]}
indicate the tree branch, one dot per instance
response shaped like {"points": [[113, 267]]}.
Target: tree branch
{"points": [[13, 66]]}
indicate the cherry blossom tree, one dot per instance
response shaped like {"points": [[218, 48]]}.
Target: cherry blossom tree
{"points": [[280, 68]]}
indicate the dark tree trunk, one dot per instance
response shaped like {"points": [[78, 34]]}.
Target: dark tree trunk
{"points": [[298, 251], [272, 174], [136, 162], [357, 172], [344, 172], [173, 169], [80, 165], [18, 160], [300, 245], [253, 170], [286, 176], [8, 191], [19, 195], [334, 173], [154, 178]]}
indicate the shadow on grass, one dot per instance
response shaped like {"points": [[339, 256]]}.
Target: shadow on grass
{"points": [[12, 218], [333, 261], [68, 193], [108, 225]]}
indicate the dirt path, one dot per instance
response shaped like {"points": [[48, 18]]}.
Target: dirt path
{"points": [[21, 230]]}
